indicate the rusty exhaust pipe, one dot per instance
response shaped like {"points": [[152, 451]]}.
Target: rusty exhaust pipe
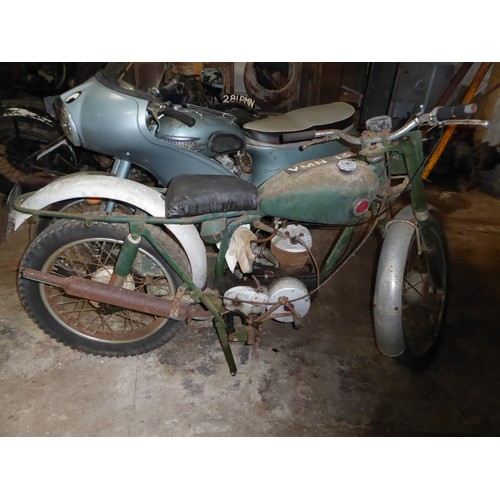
{"points": [[108, 294]]}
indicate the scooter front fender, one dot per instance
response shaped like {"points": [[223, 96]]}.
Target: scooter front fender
{"points": [[88, 185]]}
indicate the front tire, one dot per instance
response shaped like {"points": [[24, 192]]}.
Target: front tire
{"points": [[411, 292], [69, 248]]}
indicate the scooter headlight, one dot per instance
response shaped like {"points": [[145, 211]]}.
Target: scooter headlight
{"points": [[68, 126]]}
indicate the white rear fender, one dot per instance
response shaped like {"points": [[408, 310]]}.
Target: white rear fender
{"points": [[85, 185]]}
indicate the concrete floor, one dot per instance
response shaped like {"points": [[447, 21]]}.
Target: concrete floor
{"points": [[327, 379]]}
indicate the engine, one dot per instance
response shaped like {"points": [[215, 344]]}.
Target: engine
{"points": [[286, 299], [291, 246]]}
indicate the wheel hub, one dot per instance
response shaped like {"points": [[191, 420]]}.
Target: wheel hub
{"points": [[418, 286], [103, 275]]}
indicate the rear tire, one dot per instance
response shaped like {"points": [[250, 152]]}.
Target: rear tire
{"points": [[75, 206], [69, 248]]}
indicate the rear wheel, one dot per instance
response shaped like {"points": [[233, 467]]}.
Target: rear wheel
{"points": [[69, 248], [77, 206]]}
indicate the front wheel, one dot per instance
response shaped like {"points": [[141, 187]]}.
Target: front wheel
{"points": [[69, 248], [410, 292]]}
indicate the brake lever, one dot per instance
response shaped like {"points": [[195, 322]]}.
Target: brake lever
{"points": [[154, 109], [470, 122]]}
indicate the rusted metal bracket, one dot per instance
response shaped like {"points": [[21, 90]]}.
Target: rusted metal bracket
{"points": [[247, 334]]}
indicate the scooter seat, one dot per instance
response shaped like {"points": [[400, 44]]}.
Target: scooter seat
{"points": [[191, 194], [323, 116]]}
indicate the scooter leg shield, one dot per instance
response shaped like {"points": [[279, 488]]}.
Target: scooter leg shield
{"points": [[86, 185]]}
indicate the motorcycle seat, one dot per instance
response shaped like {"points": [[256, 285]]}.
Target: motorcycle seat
{"points": [[192, 194], [323, 116]]}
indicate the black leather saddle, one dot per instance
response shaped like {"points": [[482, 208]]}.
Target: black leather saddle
{"points": [[191, 194]]}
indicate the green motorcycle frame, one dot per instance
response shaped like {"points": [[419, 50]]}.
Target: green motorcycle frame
{"points": [[351, 193]]}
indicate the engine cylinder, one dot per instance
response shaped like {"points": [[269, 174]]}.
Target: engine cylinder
{"points": [[290, 246]]}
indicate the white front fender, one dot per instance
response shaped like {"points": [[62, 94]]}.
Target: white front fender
{"points": [[387, 301], [87, 185]]}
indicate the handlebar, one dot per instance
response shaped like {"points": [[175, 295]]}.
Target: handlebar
{"points": [[459, 111], [157, 107], [455, 115], [178, 115]]}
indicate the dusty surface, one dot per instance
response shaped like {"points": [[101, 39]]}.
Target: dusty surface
{"points": [[327, 379]]}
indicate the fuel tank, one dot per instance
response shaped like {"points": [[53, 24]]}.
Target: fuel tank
{"points": [[331, 190], [269, 159]]}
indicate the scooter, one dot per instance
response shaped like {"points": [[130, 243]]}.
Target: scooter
{"points": [[119, 113], [116, 284], [34, 149]]}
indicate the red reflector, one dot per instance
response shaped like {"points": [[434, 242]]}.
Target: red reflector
{"points": [[361, 207]]}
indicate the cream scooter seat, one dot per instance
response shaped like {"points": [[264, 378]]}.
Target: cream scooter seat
{"points": [[270, 130]]}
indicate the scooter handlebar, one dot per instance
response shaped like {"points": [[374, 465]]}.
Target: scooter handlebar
{"points": [[458, 115], [155, 108], [178, 115]]}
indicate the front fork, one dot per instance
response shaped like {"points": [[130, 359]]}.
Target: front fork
{"points": [[410, 150], [121, 168], [410, 154]]}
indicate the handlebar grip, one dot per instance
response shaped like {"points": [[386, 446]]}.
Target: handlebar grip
{"points": [[183, 118], [305, 135], [458, 111]]}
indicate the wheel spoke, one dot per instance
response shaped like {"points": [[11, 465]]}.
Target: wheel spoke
{"points": [[414, 287], [95, 259], [423, 296], [69, 248]]}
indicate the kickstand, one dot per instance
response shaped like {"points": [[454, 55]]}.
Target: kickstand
{"points": [[220, 326]]}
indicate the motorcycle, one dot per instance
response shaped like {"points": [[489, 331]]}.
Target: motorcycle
{"points": [[33, 147], [115, 284]]}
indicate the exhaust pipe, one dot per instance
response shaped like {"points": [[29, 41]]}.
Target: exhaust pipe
{"points": [[120, 297]]}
